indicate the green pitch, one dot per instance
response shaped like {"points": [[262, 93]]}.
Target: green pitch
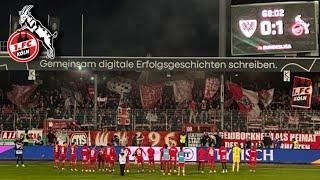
{"points": [[45, 171]]}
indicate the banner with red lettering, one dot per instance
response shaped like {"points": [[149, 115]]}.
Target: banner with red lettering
{"points": [[127, 137], [306, 140], [123, 116], [150, 95], [182, 90], [301, 92], [211, 87]]}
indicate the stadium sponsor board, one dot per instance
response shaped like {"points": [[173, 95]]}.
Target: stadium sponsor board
{"points": [[217, 64], [127, 137], [263, 155], [306, 140], [190, 153]]}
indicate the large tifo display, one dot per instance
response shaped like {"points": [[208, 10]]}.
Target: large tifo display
{"points": [[264, 155], [274, 28]]}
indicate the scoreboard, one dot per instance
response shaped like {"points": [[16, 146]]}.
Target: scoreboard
{"points": [[270, 28]]}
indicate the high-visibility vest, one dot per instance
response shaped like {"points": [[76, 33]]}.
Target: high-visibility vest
{"points": [[183, 138], [24, 138], [295, 144]]}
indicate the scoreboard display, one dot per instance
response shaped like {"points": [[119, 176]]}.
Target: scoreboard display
{"points": [[271, 28]]}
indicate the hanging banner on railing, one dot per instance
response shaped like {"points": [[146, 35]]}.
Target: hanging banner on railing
{"points": [[301, 92], [134, 138], [306, 141]]}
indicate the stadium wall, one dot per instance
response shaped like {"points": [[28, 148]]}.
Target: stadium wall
{"points": [[284, 156]]}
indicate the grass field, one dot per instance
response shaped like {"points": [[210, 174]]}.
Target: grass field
{"points": [[45, 171]]}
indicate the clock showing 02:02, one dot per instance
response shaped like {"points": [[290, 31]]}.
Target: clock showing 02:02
{"points": [[272, 28]]}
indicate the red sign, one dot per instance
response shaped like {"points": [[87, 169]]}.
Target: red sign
{"points": [[23, 46], [301, 92], [126, 137]]}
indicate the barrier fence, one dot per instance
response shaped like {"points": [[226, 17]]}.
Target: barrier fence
{"points": [[160, 138], [170, 120]]}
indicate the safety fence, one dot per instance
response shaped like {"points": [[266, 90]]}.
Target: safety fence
{"points": [[169, 120]]}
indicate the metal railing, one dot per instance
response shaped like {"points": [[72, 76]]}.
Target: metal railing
{"points": [[171, 120], [3, 47]]}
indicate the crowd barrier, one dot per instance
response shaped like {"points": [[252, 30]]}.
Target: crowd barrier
{"points": [[285, 156]]}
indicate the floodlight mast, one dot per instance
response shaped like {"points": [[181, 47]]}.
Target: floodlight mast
{"points": [[224, 5]]}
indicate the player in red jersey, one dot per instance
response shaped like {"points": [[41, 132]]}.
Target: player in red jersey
{"points": [[173, 152], [252, 158], [85, 157], [161, 160], [139, 158], [73, 157], [151, 153], [56, 154], [202, 153], [223, 158], [127, 152], [101, 159], [63, 154], [107, 155], [113, 158], [211, 161], [93, 159]]}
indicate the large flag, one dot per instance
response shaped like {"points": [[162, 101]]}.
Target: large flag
{"points": [[211, 87], [120, 85], [123, 116], [150, 95], [182, 90], [301, 92], [20, 94], [247, 100], [266, 96]]}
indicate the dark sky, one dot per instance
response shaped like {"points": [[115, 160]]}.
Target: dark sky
{"points": [[128, 27]]}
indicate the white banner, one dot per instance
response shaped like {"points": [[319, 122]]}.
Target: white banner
{"points": [[33, 134]]}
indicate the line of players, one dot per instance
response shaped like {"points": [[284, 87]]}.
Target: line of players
{"points": [[171, 159]]}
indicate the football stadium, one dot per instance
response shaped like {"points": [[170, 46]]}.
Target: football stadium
{"points": [[185, 89]]}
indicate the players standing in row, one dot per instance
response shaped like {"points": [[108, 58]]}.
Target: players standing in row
{"points": [[107, 156]]}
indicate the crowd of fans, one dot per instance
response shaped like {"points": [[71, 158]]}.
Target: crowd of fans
{"points": [[63, 99]]}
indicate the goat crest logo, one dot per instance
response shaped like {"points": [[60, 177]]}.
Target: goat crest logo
{"points": [[23, 45], [248, 27]]}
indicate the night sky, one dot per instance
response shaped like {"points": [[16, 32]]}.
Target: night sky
{"points": [[127, 27]]}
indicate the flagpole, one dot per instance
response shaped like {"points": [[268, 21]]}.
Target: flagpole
{"points": [[95, 101], [10, 24], [223, 7], [82, 34]]}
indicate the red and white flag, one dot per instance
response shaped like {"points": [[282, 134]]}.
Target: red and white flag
{"points": [[20, 94], [182, 90], [123, 116], [150, 95], [211, 88], [266, 96], [301, 92], [247, 100]]}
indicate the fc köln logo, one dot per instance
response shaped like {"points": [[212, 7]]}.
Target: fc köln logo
{"points": [[248, 27], [23, 45]]}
